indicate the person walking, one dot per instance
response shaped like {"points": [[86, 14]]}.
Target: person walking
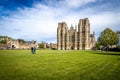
{"points": [[34, 50]]}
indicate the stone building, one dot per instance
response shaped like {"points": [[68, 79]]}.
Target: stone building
{"points": [[53, 46], [28, 45], [3, 46], [10, 43], [76, 39]]}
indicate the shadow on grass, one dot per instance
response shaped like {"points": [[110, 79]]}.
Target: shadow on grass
{"points": [[108, 53], [118, 58]]}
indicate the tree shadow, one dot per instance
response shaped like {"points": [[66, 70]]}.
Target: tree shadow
{"points": [[108, 53], [118, 58]]}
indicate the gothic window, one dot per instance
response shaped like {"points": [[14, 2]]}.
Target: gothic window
{"points": [[61, 34]]}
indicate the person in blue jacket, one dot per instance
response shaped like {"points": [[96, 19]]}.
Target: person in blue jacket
{"points": [[34, 50]]}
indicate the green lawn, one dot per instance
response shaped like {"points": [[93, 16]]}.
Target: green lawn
{"points": [[59, 65]]}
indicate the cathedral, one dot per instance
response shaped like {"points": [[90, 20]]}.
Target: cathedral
{"points": [[75, 39]]}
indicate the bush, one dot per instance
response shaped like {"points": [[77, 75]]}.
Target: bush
{"points": [[117, 49]]}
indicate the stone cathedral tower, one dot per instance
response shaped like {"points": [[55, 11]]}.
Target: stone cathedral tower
{"points": [[73, 38]]}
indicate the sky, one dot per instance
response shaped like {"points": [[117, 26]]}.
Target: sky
{"points": [[38, 19]]}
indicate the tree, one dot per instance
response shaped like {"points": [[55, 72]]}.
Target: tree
{"points": [[3, 39], [21, 41], [41, 46], [97, 45], [108, 38]]}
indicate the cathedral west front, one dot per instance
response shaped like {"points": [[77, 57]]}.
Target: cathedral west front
{"points": [[75, 39]]}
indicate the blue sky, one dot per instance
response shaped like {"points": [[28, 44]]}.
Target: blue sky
{"points": [[38, 19]]}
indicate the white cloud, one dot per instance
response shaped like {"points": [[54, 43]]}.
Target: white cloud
{"points": [[40, 22], [104, 20], [77, 3]]}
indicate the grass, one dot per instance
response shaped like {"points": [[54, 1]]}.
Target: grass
{"points": [[59, 65]]}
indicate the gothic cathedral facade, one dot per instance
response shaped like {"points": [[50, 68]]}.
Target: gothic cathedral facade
{"points": [[75, 39]]}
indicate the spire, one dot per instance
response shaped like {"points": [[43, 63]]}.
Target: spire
{"points": [[94, 33], [71, 27]]}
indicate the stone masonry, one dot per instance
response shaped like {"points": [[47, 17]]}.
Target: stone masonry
{"points": [[73, 38]]}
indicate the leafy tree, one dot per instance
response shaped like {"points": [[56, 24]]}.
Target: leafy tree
{"points": [[3, 40], [108, 38], [21, 41], [41, 46], [97, 45]]}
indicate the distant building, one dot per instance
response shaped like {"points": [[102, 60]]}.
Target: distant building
{"points": [[10, 43], [73, 39], [3, 46], [53, 46], [28, 45]]}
